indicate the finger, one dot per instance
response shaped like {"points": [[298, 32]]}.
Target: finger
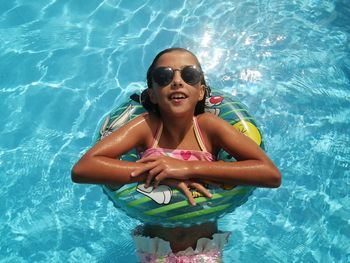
{"points": [[155, 184], [152, 177], [171, 182], [149, 179], [203, 182], [157, 179], [138, 171], [148, 159], [157, 169], [143, 169], [187, 193], [202, 189]]}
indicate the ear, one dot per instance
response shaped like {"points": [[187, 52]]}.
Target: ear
{"points": [[201, 92], [152, 96]]}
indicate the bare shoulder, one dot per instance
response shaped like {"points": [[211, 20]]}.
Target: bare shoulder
{"points": [[137, 133], [216, 129], [142, 128], [211, 123], [142, 124], [138, 129]]}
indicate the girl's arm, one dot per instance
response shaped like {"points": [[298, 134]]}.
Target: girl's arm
{"points": [[253, 167], [101, 165]]}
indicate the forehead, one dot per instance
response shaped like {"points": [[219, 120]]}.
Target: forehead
{"points": [[176, 59]]}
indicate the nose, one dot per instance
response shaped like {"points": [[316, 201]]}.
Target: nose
{"points": [[177, 80]]}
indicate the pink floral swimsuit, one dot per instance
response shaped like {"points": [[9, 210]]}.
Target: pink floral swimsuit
{"points": [[187, 155]]}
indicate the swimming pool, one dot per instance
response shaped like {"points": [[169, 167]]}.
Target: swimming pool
{"points": [[64, 64]]}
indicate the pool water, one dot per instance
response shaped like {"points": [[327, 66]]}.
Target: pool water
{"points": [[64, 64]]}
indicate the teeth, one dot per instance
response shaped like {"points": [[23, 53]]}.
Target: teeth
{"points": [[177, 96]]}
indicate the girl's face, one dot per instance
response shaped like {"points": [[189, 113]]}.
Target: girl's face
{"points": [[178, 96]]}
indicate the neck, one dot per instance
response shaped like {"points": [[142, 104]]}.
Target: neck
{"points": [[177, 128]]}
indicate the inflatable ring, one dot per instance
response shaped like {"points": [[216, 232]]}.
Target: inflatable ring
{"points": [[167, 206]]}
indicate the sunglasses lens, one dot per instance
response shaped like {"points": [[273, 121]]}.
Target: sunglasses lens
{"points": [[191, 75], [163, 76]]}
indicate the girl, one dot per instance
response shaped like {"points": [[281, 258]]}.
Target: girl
{"points": [[176, 123]]}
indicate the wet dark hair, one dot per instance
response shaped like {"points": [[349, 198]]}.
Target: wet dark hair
{"points": [[145, 99]]}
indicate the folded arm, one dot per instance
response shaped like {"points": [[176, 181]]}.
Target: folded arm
{"points": [[100, 165], [253, 167]]}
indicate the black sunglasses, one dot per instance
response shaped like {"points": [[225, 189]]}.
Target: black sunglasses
{"points": [[164, 75]]}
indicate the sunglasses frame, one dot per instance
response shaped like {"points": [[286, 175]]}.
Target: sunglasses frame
{"points": [[192, 67]]}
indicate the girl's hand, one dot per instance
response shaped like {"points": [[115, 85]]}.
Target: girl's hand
{"points": [[159, 168], [184, 187]]}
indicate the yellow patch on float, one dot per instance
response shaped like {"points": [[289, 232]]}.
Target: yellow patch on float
{"points": [[249, 129]]}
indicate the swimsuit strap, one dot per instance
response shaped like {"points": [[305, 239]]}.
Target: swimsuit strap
{"points": [[199, 135], [197, 132], [157, 135]]}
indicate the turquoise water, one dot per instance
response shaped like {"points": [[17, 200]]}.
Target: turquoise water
{"points": [[64, 64]]}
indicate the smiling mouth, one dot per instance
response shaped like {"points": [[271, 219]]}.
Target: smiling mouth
{"points": [[177, 96]]}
